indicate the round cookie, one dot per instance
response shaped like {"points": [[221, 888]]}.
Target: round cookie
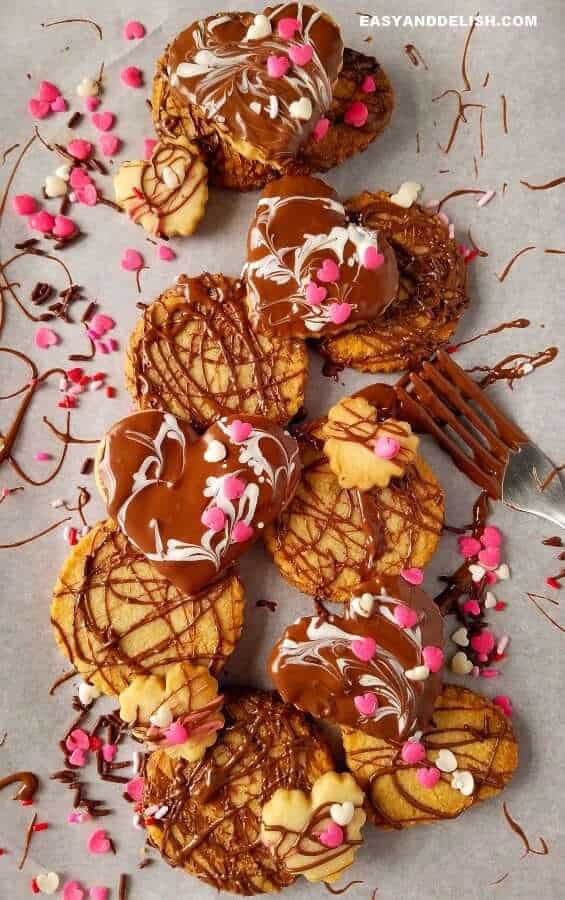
{"points": [[195, 354], [213, 825], [167, 194], [470, 741], [115, 617], [331, 539], [432, 292]]}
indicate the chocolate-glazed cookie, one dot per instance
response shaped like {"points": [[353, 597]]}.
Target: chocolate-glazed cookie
{"points": [[374, 668], [432, 292], [213, 824], [195, 354]]}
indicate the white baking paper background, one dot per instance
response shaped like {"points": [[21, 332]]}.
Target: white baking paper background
{"points": [[459, 859]]}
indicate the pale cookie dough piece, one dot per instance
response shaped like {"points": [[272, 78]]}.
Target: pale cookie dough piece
{"points": [[115, 617], [316, 835], [468, 754], [179, 713], [213, 823], [364, 453], [167, 194]]}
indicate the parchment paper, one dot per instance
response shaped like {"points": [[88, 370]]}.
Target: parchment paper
{"points": [[453, 859]]}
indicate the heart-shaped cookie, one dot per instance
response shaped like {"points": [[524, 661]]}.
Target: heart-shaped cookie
{"points": [[220, 65], [353, 669], [310, 271], [192, 517]]}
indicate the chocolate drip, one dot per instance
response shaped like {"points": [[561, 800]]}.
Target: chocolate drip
{"points": [[544, 187], [515, 323], [504, 371], [28, 785], [506, 271], [517, 829]]}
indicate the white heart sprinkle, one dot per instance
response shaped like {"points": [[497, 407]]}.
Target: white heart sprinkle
{"points": [[407, 194], [503, 572], [273, 106], [170, 177], [261, 28], [63, 172], [162, 717], [55, 186], [189, 70], [463, 781], [363, 605], [418, 673], [47, 882], [87, 88], [446, 761], [161, 812], [255, 107], [215, 452], [87, 693], [460, 637], [461, 664], [342, 813], [477, 572], [490, 600], [301, 109]]}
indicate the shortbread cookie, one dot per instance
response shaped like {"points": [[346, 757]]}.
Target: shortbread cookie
{"points": [[311, 272], [468, 754], [316, 834], [194, 504], [195, 354], [115, 617], [167, 194], [375, 668], [179, 712], [432, 293], [212, 827], [330, 539]]}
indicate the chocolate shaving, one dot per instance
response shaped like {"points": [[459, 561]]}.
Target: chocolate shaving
{"points": [[465, 51], [517, 829], [499, 880], [486, 80], [474, 245], [75, 119], [343, 890], [123, 886], [61, 680], [269, 604], [553, 250], [137, 278], [482, 133], [41, 293], [25, 245], [87, 466], [27, 841], [544, 187], [511, 262], [504, 113], [415, 56], [73, 22], [459, 193]]}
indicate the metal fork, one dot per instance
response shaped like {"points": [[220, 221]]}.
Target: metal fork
{"points": [[495, 454]]}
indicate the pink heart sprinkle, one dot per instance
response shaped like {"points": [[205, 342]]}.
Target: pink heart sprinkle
{"points": [[214, 519], [240, 431], [405, 616], [73, 891], [176, 733], [364, 648], [433, 658], [78, 758], [321, 129], [24, 204], [102, 323], [386, 447], [277, 66], [59, 104], [428, 777], [242, 532], [315, 293], [79, 178], [328, 271], [468, 546], [491, 577], [413, 752], [103, 121], [48, 91], [87, 195], [368, 86], [233, 487], [412, 575], [148, 147], [131, 260], [80, 149], [133, 30], [79, 739], [42, 221], [331, 836], [505, 704], [339, 312], [38, 108], [372, 259], [109, 752], [490, 557], [134, 788], [98, 893], [357, 114], [132, 76], [301, 54], [288, 27], [366, 704], [109, 144], [42, 456], [64, 227], [483, 644], [74, 818], [91, 103], [491, 536], [45, 337], [472, 608], [98, 842], [166, 254]]}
